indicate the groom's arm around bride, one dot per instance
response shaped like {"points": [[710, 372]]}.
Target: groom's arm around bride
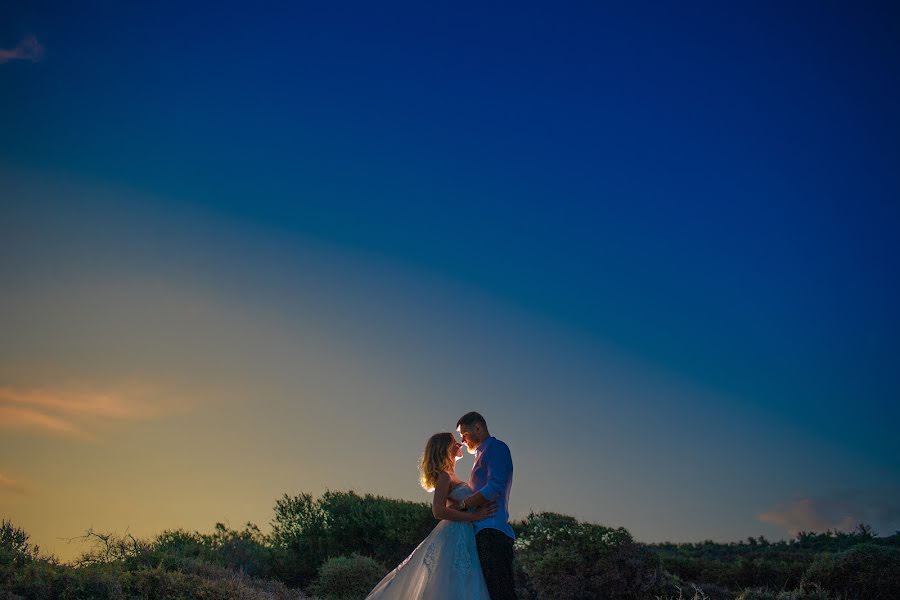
{"points": [[498, 463]]}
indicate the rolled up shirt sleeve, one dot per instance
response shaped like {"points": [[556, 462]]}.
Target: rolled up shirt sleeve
{"points": [[500, 467]]}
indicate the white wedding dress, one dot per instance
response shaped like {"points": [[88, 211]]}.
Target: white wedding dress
{"points": [[444, 565]]}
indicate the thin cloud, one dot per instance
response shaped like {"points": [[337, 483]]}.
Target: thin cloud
{"points": [[70, 411], [841, 511], [13, 417], [808, 514], [11, 485], [28, 49], [129, 404]]}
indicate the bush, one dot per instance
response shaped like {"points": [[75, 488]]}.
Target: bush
{"points": [[557, 557], [808, 593], [560, 558], [174, 565], [306, 532], [36, 580], [176, 550], [110, 548], [348, 577], [694, 592], [40, 580], [757, 594], [96, 581], [767, 594], [869, 571], [246, 551], [712, 591], [14, 546], [298, 539], [218, 584], [759, 563]]}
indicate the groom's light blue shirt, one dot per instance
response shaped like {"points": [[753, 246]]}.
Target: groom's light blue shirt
{"points": [[492, 476]]}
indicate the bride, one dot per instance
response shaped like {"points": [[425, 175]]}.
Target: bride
{"points": [[445, 564]]}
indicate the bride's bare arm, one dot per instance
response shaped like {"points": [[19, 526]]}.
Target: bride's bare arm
{"points": [[440, 510]]}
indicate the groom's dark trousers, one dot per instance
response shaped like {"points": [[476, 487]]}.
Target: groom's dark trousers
{"points": [[495, 553]]}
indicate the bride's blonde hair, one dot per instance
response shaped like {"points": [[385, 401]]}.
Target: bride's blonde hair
{"points": [[435, 460]]}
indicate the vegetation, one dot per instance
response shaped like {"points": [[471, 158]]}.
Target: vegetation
{"points": [[173, 565], [307, 532], [338, 546], [348, 577], [857, 564], [558, 557]]}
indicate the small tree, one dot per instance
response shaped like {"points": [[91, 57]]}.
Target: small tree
{"points": [[14, 546], [298, 539]]}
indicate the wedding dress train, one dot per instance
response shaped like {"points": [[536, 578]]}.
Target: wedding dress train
{"points": [[444, 565]]}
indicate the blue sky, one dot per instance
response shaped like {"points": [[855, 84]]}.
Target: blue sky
{"points": [[656, 245]]}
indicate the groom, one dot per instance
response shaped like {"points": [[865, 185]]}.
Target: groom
{"points": [[491, 480]]}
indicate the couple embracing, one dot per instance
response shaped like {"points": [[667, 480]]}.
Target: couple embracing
{"points": [[469, 554]]}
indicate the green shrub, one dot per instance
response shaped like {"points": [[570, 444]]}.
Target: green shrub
{"points": [[348, 577], [176, 550], [556, 557], [757, 594], [807, 593], [217, 584], [14, 546], [299, 539], [36, 580], [176, 565], [108, 548], [711, 591], [306, 532], [689, 592], [41, 581], [560, 558], [767, 594], [759, 563], [870, 571], [97, 581], [246, 550]]}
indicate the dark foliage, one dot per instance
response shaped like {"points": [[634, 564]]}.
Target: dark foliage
{"points": [[558, 557], [217, 566], [759, 563], [14, 546], [340, 544], [307, 532], [347, 577], [864, 571]]}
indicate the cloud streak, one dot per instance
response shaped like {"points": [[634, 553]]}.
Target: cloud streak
{"points": [[28, 49], [13, 417], [131, 404], [66, 411], [11, 485], [841, 511]]}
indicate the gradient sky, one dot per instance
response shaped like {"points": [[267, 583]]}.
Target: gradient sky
{"points": [[248, 251]]}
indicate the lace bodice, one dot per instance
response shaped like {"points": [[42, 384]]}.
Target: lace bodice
{"points": [[460, 492]]}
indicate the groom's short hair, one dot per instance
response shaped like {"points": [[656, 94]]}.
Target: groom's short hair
{"points": [[470, 418]]}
